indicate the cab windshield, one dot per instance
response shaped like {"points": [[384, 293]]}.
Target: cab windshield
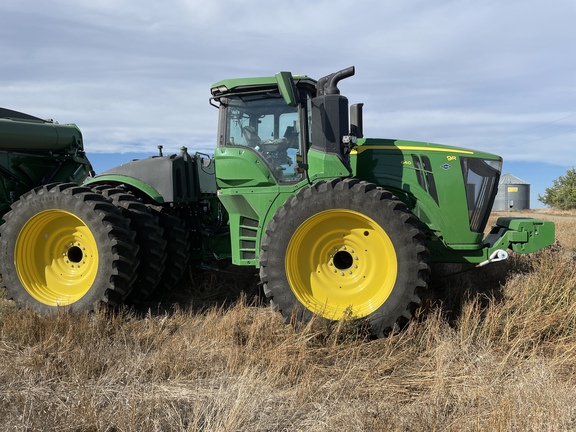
{"points": [[270, 127]]}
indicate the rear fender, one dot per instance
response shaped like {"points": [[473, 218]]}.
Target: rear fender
{"points": [[179, 179], [114, 179]]}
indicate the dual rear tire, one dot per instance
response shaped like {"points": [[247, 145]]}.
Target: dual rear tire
{"points": [[70, 246], [65, 245]]}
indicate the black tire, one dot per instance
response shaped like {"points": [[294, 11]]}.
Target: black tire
{"points": [[64, 245], [151, 252], [345, 247], [177, 240]]}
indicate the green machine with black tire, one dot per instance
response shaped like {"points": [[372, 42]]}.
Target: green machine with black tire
{"points": [[338, 224]]}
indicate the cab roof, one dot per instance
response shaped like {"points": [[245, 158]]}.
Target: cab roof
{"points": [[245, 84]]}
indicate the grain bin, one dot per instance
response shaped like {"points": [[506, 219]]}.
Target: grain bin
{"points": [[513, 194]]}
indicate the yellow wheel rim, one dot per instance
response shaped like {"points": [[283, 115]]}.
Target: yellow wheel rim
{"points": [[56, 257], [341, 261]]}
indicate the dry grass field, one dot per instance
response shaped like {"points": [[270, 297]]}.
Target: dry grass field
{"points": [[495, 349]]}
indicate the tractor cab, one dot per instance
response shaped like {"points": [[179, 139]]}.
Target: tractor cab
{"points": [[265, 125], [263, 131], [283, 130]]}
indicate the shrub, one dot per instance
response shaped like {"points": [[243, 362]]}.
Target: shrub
{"points": [[563, 194]]}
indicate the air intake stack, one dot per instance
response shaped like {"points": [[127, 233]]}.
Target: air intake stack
{"points": [[330, 114]]}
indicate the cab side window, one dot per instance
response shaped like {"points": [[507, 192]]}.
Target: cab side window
{"points": [[271, 128]]}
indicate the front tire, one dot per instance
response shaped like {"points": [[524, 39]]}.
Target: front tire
{"points": [[345, 248], [64, 245]]}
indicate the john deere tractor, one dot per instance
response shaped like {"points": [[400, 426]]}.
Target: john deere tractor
{"points": [[337, 224]]}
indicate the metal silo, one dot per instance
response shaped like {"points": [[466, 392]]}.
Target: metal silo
{"points": [[513, 194]]}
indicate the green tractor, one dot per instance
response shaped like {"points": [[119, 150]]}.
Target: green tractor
{"points": [[338, 224]]}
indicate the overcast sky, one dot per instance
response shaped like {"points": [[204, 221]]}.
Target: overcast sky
{"points": [[497, 76]]}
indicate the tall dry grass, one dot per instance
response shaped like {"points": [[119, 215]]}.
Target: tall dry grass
{"points": [[495, 350]]}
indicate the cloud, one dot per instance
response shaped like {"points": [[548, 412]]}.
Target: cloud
{"points": [[135, 74]]}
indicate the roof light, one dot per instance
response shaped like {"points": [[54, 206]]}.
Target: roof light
{"points": [[219, 89]]}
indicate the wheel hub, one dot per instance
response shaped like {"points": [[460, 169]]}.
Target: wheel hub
{"points": [[339, 258], [343, 261], [75, 254], [57, 257]]}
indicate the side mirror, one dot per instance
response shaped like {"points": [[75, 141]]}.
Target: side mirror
{"points": [[356, 122], [287, 88]]}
